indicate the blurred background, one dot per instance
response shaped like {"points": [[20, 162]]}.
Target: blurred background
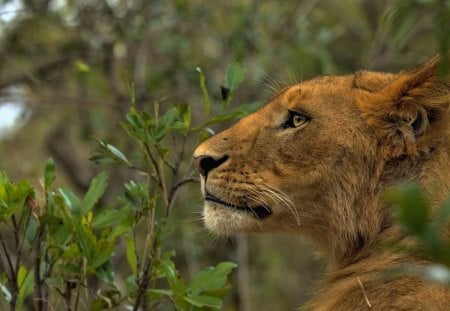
{"points": [[65, 67]]}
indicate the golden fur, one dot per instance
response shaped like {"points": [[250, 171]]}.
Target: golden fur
{"points": [[316, 160]]}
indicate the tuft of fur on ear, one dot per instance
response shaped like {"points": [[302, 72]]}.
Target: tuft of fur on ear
{"points": [[372, 81], [411, 113]]}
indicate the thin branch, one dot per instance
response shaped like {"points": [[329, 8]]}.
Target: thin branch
{"points": [[39, 70], [8, 258], [173, 168], [157, 178], [40, 289], [17, 243], [13, 276], [180, 184]]}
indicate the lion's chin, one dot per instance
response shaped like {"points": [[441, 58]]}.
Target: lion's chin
{"points": [[225, 221]]}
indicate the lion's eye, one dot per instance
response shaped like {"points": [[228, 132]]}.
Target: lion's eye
{"points": [[296, 119]]}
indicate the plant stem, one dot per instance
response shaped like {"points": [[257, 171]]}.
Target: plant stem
{"points": [[13, 275], [41, 289]]}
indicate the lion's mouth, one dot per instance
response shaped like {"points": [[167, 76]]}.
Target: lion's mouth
{"points": [[259, 212]]}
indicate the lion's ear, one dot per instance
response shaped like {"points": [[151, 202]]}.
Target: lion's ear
{"points": [[410, 114], [372, 81]]}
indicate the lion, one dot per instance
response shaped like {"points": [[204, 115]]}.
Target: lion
{"points": [[316, 160]]}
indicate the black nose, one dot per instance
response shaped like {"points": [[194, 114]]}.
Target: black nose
{"points": [[207, 163]]}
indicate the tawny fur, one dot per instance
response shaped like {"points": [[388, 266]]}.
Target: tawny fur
{"points": [[324, 178]]}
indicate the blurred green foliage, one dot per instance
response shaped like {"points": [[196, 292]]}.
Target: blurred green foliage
{"points": [[413, 212], [75, 63], [72, 242]]}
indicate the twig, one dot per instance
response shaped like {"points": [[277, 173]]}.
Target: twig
{"points": [[157, 178], [173, 168], [364, 293], [8, 258], [175, 187], [40, 300]]}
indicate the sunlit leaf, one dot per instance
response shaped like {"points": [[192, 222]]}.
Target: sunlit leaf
{"points": [[49, 173], [96, 190], [206, 100], [106, 273], [81, 67], [5, 292], [235, 76], [132, 286], [102, 253], [185, 115], [116, 152], [71, 200], [204, 301], [25, 280], [108, 217], [131, 254], [412, 209], [85, 243], [211, 278]]}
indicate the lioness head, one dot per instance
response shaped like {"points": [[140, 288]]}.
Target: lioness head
{"points": [[317, 156]]}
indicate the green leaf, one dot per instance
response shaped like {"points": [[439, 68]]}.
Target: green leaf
{"points": [[106, 273], [25, 281], [173, 279], [85, 243], [155, 294], [167, 267], [31, 229], [102, 253], [71, 200], [169, 122], [123, 227], [132, 286], [109, 217], [239, 112], [221, 118], [102, 159], [204, 301], [54, 281], [205, 94], [205, 134], [211, 278], [49, 173], [5, 292], [76, 269], [235, 76], [118, 154], [412, 208], [61, 231], [96, 190], [185, 113], [131, 254], [81, 67]]}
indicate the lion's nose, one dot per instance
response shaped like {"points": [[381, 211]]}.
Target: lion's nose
{"points": [[206, 163]]}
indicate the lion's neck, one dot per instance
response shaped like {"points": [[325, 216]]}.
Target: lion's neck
{"points": [[374, 224]]}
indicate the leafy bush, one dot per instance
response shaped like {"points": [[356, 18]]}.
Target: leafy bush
{"points": [[63, 245], [413, 212]]}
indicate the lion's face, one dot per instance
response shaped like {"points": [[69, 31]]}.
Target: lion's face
{"points": [[284, 166], [317, 156]]}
